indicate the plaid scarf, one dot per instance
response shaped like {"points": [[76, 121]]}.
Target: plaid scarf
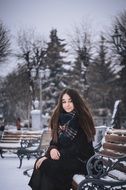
{"points": [[66, 128]]}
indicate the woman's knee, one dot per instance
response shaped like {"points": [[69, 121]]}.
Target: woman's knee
{"points": [[49, 167]]}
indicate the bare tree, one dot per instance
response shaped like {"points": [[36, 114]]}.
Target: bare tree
{"points": [[31, 52], [81, 45], [16, 95], [80, 38], [4, 43]]}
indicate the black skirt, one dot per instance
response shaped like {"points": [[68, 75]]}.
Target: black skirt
{"points": [[56, 174]]}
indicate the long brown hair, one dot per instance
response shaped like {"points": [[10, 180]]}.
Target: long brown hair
{"points": [[82, 110]]}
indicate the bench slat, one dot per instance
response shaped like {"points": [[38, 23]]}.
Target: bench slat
{"points": [[110, 153], [115, 147], [117, 131], [115, 139]]}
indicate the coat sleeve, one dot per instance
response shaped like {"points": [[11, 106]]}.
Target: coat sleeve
{"points": [[51, 146]]}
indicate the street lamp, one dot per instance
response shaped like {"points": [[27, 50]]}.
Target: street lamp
{"points": [[119, 42], [84, 58], [41, 73], [116, 38]]}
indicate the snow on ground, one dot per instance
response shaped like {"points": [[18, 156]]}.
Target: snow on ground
{"points": [[11, 177]]}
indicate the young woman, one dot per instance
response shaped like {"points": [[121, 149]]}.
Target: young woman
{"points": [[71, 145]]}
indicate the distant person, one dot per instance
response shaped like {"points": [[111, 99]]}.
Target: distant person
{"points": [[18, 123], [2, 124], [71, 145], [2, 127]]}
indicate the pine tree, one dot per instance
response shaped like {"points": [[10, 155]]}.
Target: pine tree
{"points": [[55, 60], [101, 79]]}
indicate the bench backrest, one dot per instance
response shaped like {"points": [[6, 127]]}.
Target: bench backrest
{"points": [[100, 132], [114, 146], [17, 136], [9, 137], [45, 140], [115, 143]]}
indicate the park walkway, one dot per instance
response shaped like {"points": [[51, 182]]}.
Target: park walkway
{"points": [[11, 177]]}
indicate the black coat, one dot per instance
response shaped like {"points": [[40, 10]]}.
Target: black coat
{"points": [[74, 149]]}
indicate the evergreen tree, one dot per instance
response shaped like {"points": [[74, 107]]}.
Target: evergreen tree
{"points": [[101, 79], [55, 60]]}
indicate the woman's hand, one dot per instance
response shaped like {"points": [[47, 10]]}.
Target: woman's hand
{"points": [[55, 154], [39, 162]]}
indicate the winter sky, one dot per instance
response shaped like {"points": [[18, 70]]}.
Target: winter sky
{"points": [[43, 15]]}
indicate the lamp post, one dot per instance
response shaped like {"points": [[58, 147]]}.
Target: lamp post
{"points": [[84, 59], [41, 73], [119, 42]]}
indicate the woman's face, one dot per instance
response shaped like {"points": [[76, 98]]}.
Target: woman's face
{"points": [[67, 103]]}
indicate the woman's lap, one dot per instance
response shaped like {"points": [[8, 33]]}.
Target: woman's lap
{"points": [[57, 172], [61, 166]]}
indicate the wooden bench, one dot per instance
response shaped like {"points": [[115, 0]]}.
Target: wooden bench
{"points": [[100, 131], [107, 168], [11, 141], [34, 149]]}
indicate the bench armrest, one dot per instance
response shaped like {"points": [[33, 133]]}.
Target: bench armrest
{"points": [[100, 165]]}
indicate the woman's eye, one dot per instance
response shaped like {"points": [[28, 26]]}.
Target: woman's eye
{"points": [[63, 102], [70, 100]]}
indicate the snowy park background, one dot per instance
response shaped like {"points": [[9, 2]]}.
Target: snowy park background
{"points": [[73, 41], [87, 57]]}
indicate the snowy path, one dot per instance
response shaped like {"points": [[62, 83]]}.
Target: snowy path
{"points": [[12, 177]]}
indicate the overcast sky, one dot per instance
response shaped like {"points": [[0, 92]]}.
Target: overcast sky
{"points": [[43, 15]]}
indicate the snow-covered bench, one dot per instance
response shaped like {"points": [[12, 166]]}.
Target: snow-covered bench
{"points": [[11, 140], [107, 168], [34, 149]]}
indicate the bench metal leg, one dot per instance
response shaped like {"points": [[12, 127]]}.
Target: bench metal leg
{"points": [[20, 158], [26, 172], [1, 154]]}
